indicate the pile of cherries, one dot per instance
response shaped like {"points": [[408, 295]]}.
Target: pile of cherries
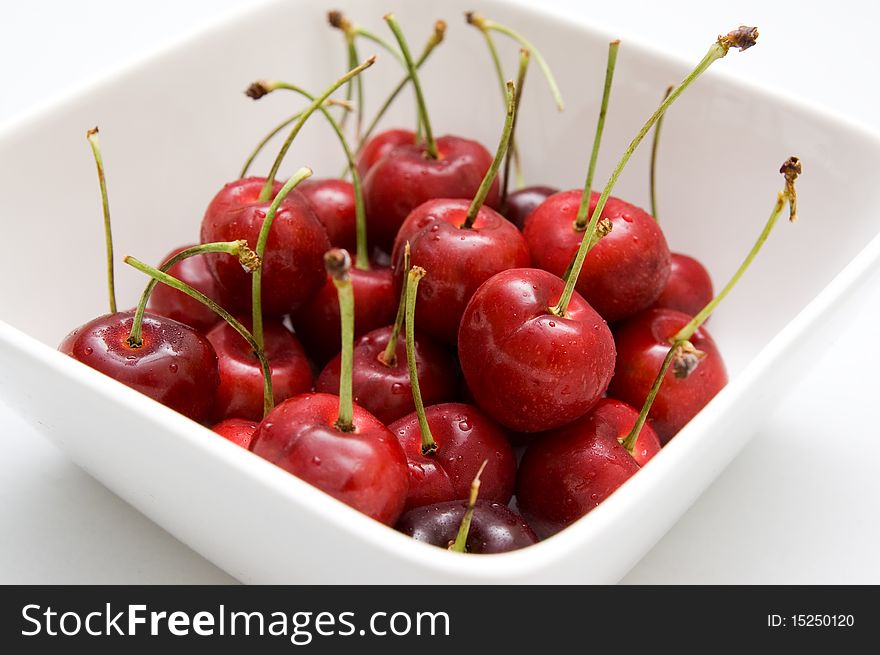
{"points": [[556, 323]]}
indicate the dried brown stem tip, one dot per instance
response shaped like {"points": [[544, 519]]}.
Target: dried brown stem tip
{"points": [[249, 260], [338, 20], [791, 169], [439, 29], [742, 37], [337, 262], [92, 132], [686, 360], [475, 18], [258, 89]]}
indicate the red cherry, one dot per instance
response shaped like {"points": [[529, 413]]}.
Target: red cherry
{"points": [[240, 393], [334, 205], [625, 271], [166, 301], [569, 471], [382, 144], [237, 430], [406, 177], [384, 390], [494, 527], [174, 364], [529, 369], [465, 437], [458, 260], [620, 418], [521, 203], [317, 322], [237, 194], [689, 287], [642, 345], [365, 469]]}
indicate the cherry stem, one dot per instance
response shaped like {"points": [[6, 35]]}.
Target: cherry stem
{"points": [[266, 192], [262, 240], [430, 143], [416, 273], [464, 528], [389, 355], [478, 20], [94, 142], [165, 278], [363, 257], [247, 257], [790, 169], [630, 442], [489, 178], [435, 40], [742, 38], [512, 152], [655, 146], [581, 221], [337, 262]]}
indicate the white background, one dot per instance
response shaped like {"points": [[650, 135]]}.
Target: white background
{"points": [[799, 505]]}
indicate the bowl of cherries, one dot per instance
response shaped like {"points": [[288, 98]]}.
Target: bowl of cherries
{"points": [[435, 318]]}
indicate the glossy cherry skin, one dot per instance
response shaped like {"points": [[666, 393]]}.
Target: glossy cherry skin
{"points": [[317, 323], [384, 390], [495, 528], [406, 177], [528, 369], [457, 260], [465, 438], [642, 344], [237, 430], [624, 273], [240, 393], [365, 469], [689, 287], [236, 194], [382, 144], [334, 205], [293, 265], [522, 202], [167, 301], [175, 364], [567, 472], [618, 417]]}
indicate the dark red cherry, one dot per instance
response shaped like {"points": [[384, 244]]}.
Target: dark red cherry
{"points": [[620, 418], [642, 345], [365, 469], [382, 144], [237, 430], [458, 260], [317, 321], [465, 438], [494, 528], [293, 268], [236, 194], [406, 177], [689, 287], [334, 205], [567, 472], [521, 203], [240, 393], [174, 365], [624, 273], [385, 390], [166, 301], [529, 369]]}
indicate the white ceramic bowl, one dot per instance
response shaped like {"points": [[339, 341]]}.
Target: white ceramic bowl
{"points": [[175, 127]]}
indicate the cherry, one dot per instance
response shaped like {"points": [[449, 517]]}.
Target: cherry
{"points": [[240, 393], [236, 195], [381, 145], [689, 287], [621, 417], [334, 204], [521, 203], [237, 430], [166, 301]]}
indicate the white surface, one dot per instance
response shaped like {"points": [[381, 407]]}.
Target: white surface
{"points": [[795, 507]]}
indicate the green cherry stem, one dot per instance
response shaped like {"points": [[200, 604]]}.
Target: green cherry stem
{"points": [[338, 265], [630, 442], [262, 240], [742, 38], [266, 192], [94, 142], [489, 178], [464, 528], [165, 278], [416, 273], [512, 152], [389, 355], [655, 146], [430, 143], [581, 221]]}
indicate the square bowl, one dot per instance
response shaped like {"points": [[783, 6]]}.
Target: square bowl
{"points": [[176, 128]]}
